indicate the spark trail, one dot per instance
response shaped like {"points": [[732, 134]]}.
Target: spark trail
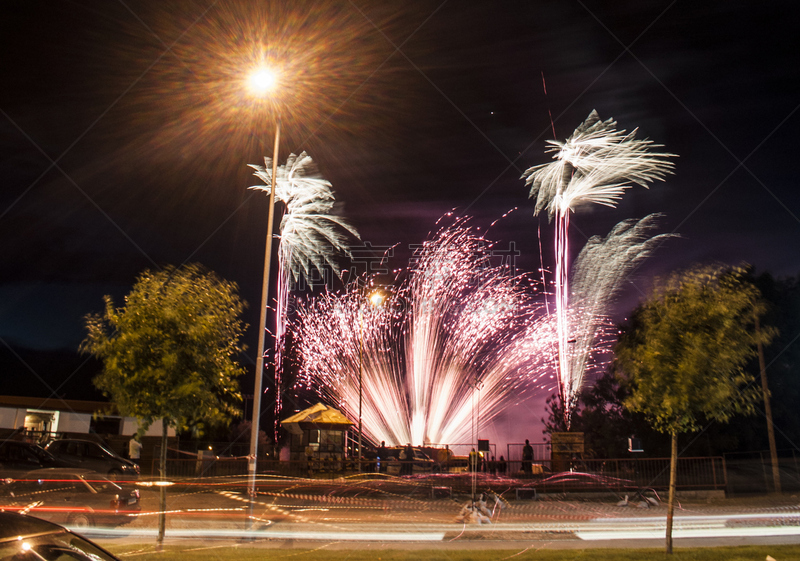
{"points": [[598, 275], [310, 236], [456, 322], [596, 164]]}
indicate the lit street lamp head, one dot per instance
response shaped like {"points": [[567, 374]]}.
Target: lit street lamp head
{"points": [[262, 81]]}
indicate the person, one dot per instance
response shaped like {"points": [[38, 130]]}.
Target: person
{"points": [[134, 449], [493, 466], [383, 457], [443, 458], [473, 461], [527, 457], [20, 434], [501, 466], [408, 465]]}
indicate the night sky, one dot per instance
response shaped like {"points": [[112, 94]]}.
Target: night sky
{"points": [[125, 134]]}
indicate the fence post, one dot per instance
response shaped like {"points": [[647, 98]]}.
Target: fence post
{"points": [[725, 474], [714, 471]]}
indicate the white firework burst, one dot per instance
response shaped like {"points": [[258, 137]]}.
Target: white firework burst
{"points": [[310, 237], [596, 164]]}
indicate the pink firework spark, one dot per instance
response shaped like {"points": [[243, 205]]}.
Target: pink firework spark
{"points": [[457, 325]]}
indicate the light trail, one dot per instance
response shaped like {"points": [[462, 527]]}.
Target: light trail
{"points": [[310, 534], [311, 237], [596, 164]]}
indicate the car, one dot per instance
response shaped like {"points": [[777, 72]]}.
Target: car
{"points": [[422, 463], [20, 457], [26, 538], [78, 498], [91, 455]]}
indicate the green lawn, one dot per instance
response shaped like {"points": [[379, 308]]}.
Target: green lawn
{"points": [[365, 553]]}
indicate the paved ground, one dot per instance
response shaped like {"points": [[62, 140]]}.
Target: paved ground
{"points": [[388, 514], [425, 513]]}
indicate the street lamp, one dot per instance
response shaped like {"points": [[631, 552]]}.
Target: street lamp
{"points": [[260, 83], [376, 298]]}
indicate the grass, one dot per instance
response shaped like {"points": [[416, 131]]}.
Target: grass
{"points": [[240, 552]]}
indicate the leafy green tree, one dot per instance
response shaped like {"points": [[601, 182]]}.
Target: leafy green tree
{"points": [[685, 351], [168, 353]]}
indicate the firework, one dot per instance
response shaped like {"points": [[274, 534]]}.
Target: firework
{"points": [[457, 326], [310, 235], [598, 274], [596, 164]]}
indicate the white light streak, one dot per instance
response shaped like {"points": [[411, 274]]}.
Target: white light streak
{"points": [[596, 164], [311, 236]]}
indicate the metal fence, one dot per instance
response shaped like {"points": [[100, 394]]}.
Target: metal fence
{"points": [[541, 453], [617, 475], [751, 472], [707, 473]]}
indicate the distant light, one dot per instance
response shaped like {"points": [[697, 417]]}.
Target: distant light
{"points": [[377, 298], [262, 81], [155, 483]]}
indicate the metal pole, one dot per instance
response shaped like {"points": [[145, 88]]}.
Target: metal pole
{"points": [[360, 374], [254, 425]]}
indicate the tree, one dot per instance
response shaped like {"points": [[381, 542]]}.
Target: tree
{"points": [[685, 351], [606, 424], [168, 353]]}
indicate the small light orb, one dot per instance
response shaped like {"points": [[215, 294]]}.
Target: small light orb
{"points": [[377, 298]]}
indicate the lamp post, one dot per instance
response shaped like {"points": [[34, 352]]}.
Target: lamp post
{"points": [[376, 299], [261, 82]]}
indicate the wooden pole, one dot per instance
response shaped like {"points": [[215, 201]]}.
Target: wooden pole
{"points": [[773, 450]]}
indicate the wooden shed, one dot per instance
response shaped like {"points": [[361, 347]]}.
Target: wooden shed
{"points": [[319, 435]]}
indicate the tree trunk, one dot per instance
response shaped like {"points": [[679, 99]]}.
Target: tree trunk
{"points": [[673, 473], [162, 490]]}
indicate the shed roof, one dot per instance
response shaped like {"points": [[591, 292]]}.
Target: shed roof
{"points": [[320, 416]]}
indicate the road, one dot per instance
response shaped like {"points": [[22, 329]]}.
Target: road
{"points": [[423, 512]]}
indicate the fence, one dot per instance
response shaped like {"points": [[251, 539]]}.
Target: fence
{"points": [[706, 473], [318, 468], [618, 475], [751, 472], [541, 453]]}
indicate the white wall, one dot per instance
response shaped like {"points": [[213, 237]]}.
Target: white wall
{"points": [[74, 422], [131, 425], [64, 421], [11, 417]]}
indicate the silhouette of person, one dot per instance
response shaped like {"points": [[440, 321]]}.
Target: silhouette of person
{"points": [[383, 457], [527, 457]]}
